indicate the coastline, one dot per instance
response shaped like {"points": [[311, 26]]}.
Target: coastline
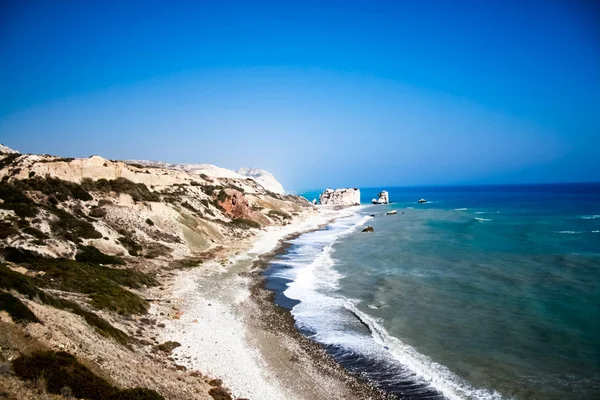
{"points": [[229, 327]]}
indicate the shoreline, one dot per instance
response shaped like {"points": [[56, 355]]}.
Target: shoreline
{"points": [[229, 327], [280, 323]]}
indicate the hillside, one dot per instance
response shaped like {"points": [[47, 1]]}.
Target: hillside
{"points": [[84, 239]]}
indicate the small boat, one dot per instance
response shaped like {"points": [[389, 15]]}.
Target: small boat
{"points": [[422, 201]]}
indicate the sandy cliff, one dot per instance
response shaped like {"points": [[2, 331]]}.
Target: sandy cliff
{"points": [[83, 240]]}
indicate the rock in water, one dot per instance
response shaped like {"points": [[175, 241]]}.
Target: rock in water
{"points": [[382, 198], [368, 229], [340, 197], [393, 212]]}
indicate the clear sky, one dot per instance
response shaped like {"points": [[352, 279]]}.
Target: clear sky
{"points": [[319, 93]]}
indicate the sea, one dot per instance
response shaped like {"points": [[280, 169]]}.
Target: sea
{"points": [[482, 292]]}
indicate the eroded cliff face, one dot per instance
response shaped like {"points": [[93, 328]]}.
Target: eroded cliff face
{"points": [[340, 197], [81, 241], [189, 211]]}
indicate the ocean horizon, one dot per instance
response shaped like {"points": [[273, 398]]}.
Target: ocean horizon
{"points": [[483, 292]]}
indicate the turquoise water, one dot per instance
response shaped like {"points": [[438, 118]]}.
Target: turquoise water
{"points": [[482, 293]]}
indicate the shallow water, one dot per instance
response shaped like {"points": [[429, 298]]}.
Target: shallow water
{"points": [[483, 293]]}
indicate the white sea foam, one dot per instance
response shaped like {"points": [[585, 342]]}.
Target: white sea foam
{"points": [[487, 212], [482, 219], [595, 231], [328, 316], [460, 209], [590, 217], [427, 371], [569, 232]]}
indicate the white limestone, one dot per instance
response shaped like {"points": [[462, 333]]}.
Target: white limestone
{"points": [[340, 197], [263, 178]]}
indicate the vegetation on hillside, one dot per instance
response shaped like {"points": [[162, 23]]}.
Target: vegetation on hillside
{"points": [[31, 288], [63, 374]]}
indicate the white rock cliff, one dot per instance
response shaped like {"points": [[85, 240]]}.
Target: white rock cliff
{"points": [[340, 197], [263, 178], [260, 176]]}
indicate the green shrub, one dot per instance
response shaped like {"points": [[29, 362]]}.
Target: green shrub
{"points": [[277, 213], [28, 286], [7, 229], [222, 196], [60, 189], [219, 393], [209, 189], [9, 160], [239, 189], [61, 369], [138, 191], [71, 228], [15, 199], [194, 183], [102, 284], [97, 212], [35, 233], [104, 202], [191, 208], [91, 254], [18, 311], [137, 394], [245, 223], [168, 347], [129, 243]]}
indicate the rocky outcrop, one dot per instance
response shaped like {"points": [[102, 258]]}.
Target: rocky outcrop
{"points": [[264, 178], [382, 198], [340, 197], [235, 204], [368, 229], [393, 212]]}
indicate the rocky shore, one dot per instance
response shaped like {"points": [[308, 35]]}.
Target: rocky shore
{"points": [[230, 327], [146, 279]]}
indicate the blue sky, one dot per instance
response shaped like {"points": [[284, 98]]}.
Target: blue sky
{"points": [[319, 93]]}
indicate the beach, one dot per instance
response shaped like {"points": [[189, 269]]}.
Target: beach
{"points": [[230, 329]]}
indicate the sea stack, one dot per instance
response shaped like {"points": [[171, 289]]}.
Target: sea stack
{"points": [[382, 198], [340, 197]]}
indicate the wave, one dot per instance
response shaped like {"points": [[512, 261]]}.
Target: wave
{"points": [[332, 321], [590, 217], [595, 231], [460, 209], [426, 370], [482, 219], [570, 232], [487, 212]]}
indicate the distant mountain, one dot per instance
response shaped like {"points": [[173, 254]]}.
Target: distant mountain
{"points": [[263, 178]]}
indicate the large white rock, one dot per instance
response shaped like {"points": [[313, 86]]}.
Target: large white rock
{"points": [[340, 197], [382, 198], [263, 178]]}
